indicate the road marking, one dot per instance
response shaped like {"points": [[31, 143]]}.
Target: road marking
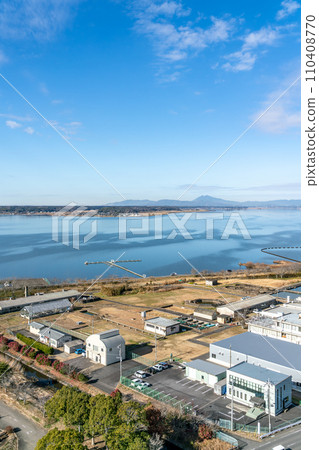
{"points": [[208, 403], [190, 381], [183, 379], [201, 387], [190, 387], [210, 389]]}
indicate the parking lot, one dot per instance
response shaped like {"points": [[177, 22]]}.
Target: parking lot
{"points": [[173, 382]]}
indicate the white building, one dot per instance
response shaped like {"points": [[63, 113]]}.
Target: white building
{"points": [[105, 348], [53, 338], [256, 386], [274, 354], [162, 326], [71, 346], [36, 327], [205, 372], [246, 304], [282, 322]]}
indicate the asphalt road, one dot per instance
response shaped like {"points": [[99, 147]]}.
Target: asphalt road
{"points": [[290, 439], [27, 431]]}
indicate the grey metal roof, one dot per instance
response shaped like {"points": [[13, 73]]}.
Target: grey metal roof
{"points": [[34, 299], [51, 333], [48, 306], [280, 352], [113, 341], [74, 343], [206, 366], [248, 302], [37, 325], [162, 322], [258, 373]]}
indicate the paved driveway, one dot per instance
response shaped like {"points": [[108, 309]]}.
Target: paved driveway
{"points": [[27, 431]]}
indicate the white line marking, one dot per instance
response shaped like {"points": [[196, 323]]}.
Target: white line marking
{"points": [[210, 389], [201, 387]]}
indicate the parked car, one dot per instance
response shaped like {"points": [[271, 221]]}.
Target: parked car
{"points": [[164, 365], [151, 370], [79, 351], [136, 381], [143, 385], [140, 374], [158, 367]]}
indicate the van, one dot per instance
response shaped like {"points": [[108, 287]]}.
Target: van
{"points": [[278, 447]]}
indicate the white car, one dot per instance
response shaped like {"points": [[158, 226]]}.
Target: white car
{"points": [[158, 367], [143, 385], [164, 365], [136, 381], [140, 374]]}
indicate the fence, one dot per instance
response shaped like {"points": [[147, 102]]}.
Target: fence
{"points": [[226, 438], [224, 423], [160, 396]]}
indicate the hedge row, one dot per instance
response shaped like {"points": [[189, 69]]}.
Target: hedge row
{"points": [[35, 344]]}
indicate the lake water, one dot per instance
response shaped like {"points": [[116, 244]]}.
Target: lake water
{"points": [[28, 250]]}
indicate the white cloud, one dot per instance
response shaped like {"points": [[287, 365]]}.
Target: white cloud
{"points": [[12, 124], [284, 115], [15, 117], [174, 36], [287, 7], [245, 58], [35, 19], [29, 130], [3, 58]]}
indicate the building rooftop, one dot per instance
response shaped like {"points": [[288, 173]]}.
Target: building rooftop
{"points": [[51, 333], [248, 303], [48, 306], [280, 352], [162, 322], [37, 325], [34, 299], [73, 343], [258, 373], [206, 366]]}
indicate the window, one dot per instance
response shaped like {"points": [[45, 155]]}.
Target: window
{"points": [[95, 348], [102, 349], [241, 395], [213, 355], [245, 396], [229, 391]]}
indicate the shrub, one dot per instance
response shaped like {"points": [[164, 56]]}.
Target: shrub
{"points": [[4, 340], [43, 360], [14, 346], [204, 432], [8, 429], [82, 377], [35, 344]]}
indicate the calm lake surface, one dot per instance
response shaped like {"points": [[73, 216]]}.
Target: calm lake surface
{"points": [[28, 250]]}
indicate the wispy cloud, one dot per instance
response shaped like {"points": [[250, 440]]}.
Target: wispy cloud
{"points": [[68, 129], [34, 19], [29, 130], [3, 58], [284, 115], [15, 117], [287, 7], [12, 124], [174, 36], [245, 58], [283, 187]]}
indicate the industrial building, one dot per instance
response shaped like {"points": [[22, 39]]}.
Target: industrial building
{"points": [[274, 354], [206, 314], [71, 346], [259, 387], [205, 372], [162, 326], [17, 304], [46, 309], [282, 322], [105, 348], [53, 338], [248, 304]]}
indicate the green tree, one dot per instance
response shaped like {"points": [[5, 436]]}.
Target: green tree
{"points": [[69, 404], [55, 439], [103, 415], [131, 433]]}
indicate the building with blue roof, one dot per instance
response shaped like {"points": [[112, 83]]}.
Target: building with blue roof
{"points": [[274, 354], [256, 386]]}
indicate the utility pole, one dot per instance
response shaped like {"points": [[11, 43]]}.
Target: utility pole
{"points": [[230, 356], [92, 325], [232, 406], [269, 417], [120, 349], [155, 347]]}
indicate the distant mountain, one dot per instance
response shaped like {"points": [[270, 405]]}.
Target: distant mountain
{"points": [[208, 201]]}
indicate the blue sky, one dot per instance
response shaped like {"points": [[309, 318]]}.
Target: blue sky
{"points": [[150, 93]]}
